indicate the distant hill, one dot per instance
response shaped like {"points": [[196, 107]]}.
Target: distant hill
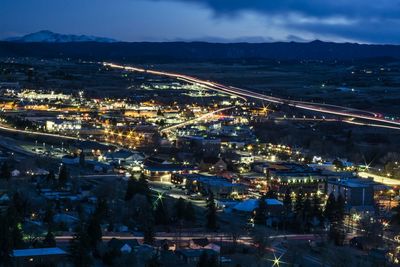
{"points": [[51, 37], [198, 51]]}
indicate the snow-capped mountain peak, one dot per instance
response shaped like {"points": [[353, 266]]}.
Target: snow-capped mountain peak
{"points": [[51, 37]]}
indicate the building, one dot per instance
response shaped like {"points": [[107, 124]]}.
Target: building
{"points": [[192, 256], [202, 145], [164, 172], [213, 165], [358, 193], [294, 177], [39, 257], [219, 186]]}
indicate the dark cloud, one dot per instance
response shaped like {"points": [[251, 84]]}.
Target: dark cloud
{"points": [[375, 21]]}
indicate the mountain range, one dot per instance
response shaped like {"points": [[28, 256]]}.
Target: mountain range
{"points": [[46, 44], [52, 37]]}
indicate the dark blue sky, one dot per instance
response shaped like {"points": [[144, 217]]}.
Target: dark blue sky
{"points": [[366, 21]]}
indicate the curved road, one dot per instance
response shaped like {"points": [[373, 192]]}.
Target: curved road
{"points": [[244, 94]]}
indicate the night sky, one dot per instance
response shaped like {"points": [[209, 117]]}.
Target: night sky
{"points": [[364, 21]]}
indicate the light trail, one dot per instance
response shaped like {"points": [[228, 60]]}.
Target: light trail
{"points": [[9, 129], [202, 117], [243, 93]]}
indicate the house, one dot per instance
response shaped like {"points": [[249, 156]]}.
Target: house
{"points": [[204, 243], [164, 172], [249, 205], [39, 257], [213, 165], [358, 193], [206, 184], [70, 160], [192, 256], [123, 246], [124, 157]]}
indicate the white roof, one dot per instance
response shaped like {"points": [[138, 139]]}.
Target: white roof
{"points": [[251, 204], [38, 252]]}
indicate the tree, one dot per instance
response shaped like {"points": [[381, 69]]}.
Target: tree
{"points": [[316, 207], [94, 232], [160, 213], [5, 171], [211, 213], [50, 176], [153, 262], [287, 202], [63, 175], [190, 213], [49, 240], [79, 248], [131, 189], [330, 207], [82, 159], [148, 234], [299, 203], [180, 206], [261, 211], [101, 210]]}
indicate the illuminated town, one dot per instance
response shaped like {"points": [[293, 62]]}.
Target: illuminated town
{"points": [[205, 154]]}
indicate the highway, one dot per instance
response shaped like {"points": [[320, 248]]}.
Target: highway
{"points": [[244, 94], [200, 118]]}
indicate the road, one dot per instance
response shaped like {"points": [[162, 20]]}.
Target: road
{"points": [[200, 118], [380, 179], [244, 94]]}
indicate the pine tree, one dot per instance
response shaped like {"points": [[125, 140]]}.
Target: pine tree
{"points": [[131, 189], [180, 206], [261, 211], [299, 203], [287, 202], [50, 176], [148, 234], [49, 240], [211, 213], [316, 208], [190, 213], [160, 214], [330, 207], [63, 175], [79, 248], [5, 171], [82, 159], [94, 232]]}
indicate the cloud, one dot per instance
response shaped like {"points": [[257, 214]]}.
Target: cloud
{"points": [[367, 21]]}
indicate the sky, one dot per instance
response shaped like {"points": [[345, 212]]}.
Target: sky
{"points": [[363, 21]]}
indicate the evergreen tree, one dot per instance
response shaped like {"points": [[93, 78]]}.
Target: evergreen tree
{"points": [[211, 213], [153, 262], [190, 213], [203, 260], [5, 171], [49, 240], [148, 234], [101, 210], [63, 175], [131, 189], [261, 211], [160, 213], [79, 248], [287, 202], [94, 232], [82, 159], [299, 203], [180, 206], [316, 203], [50, 176], [330, 206]]}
